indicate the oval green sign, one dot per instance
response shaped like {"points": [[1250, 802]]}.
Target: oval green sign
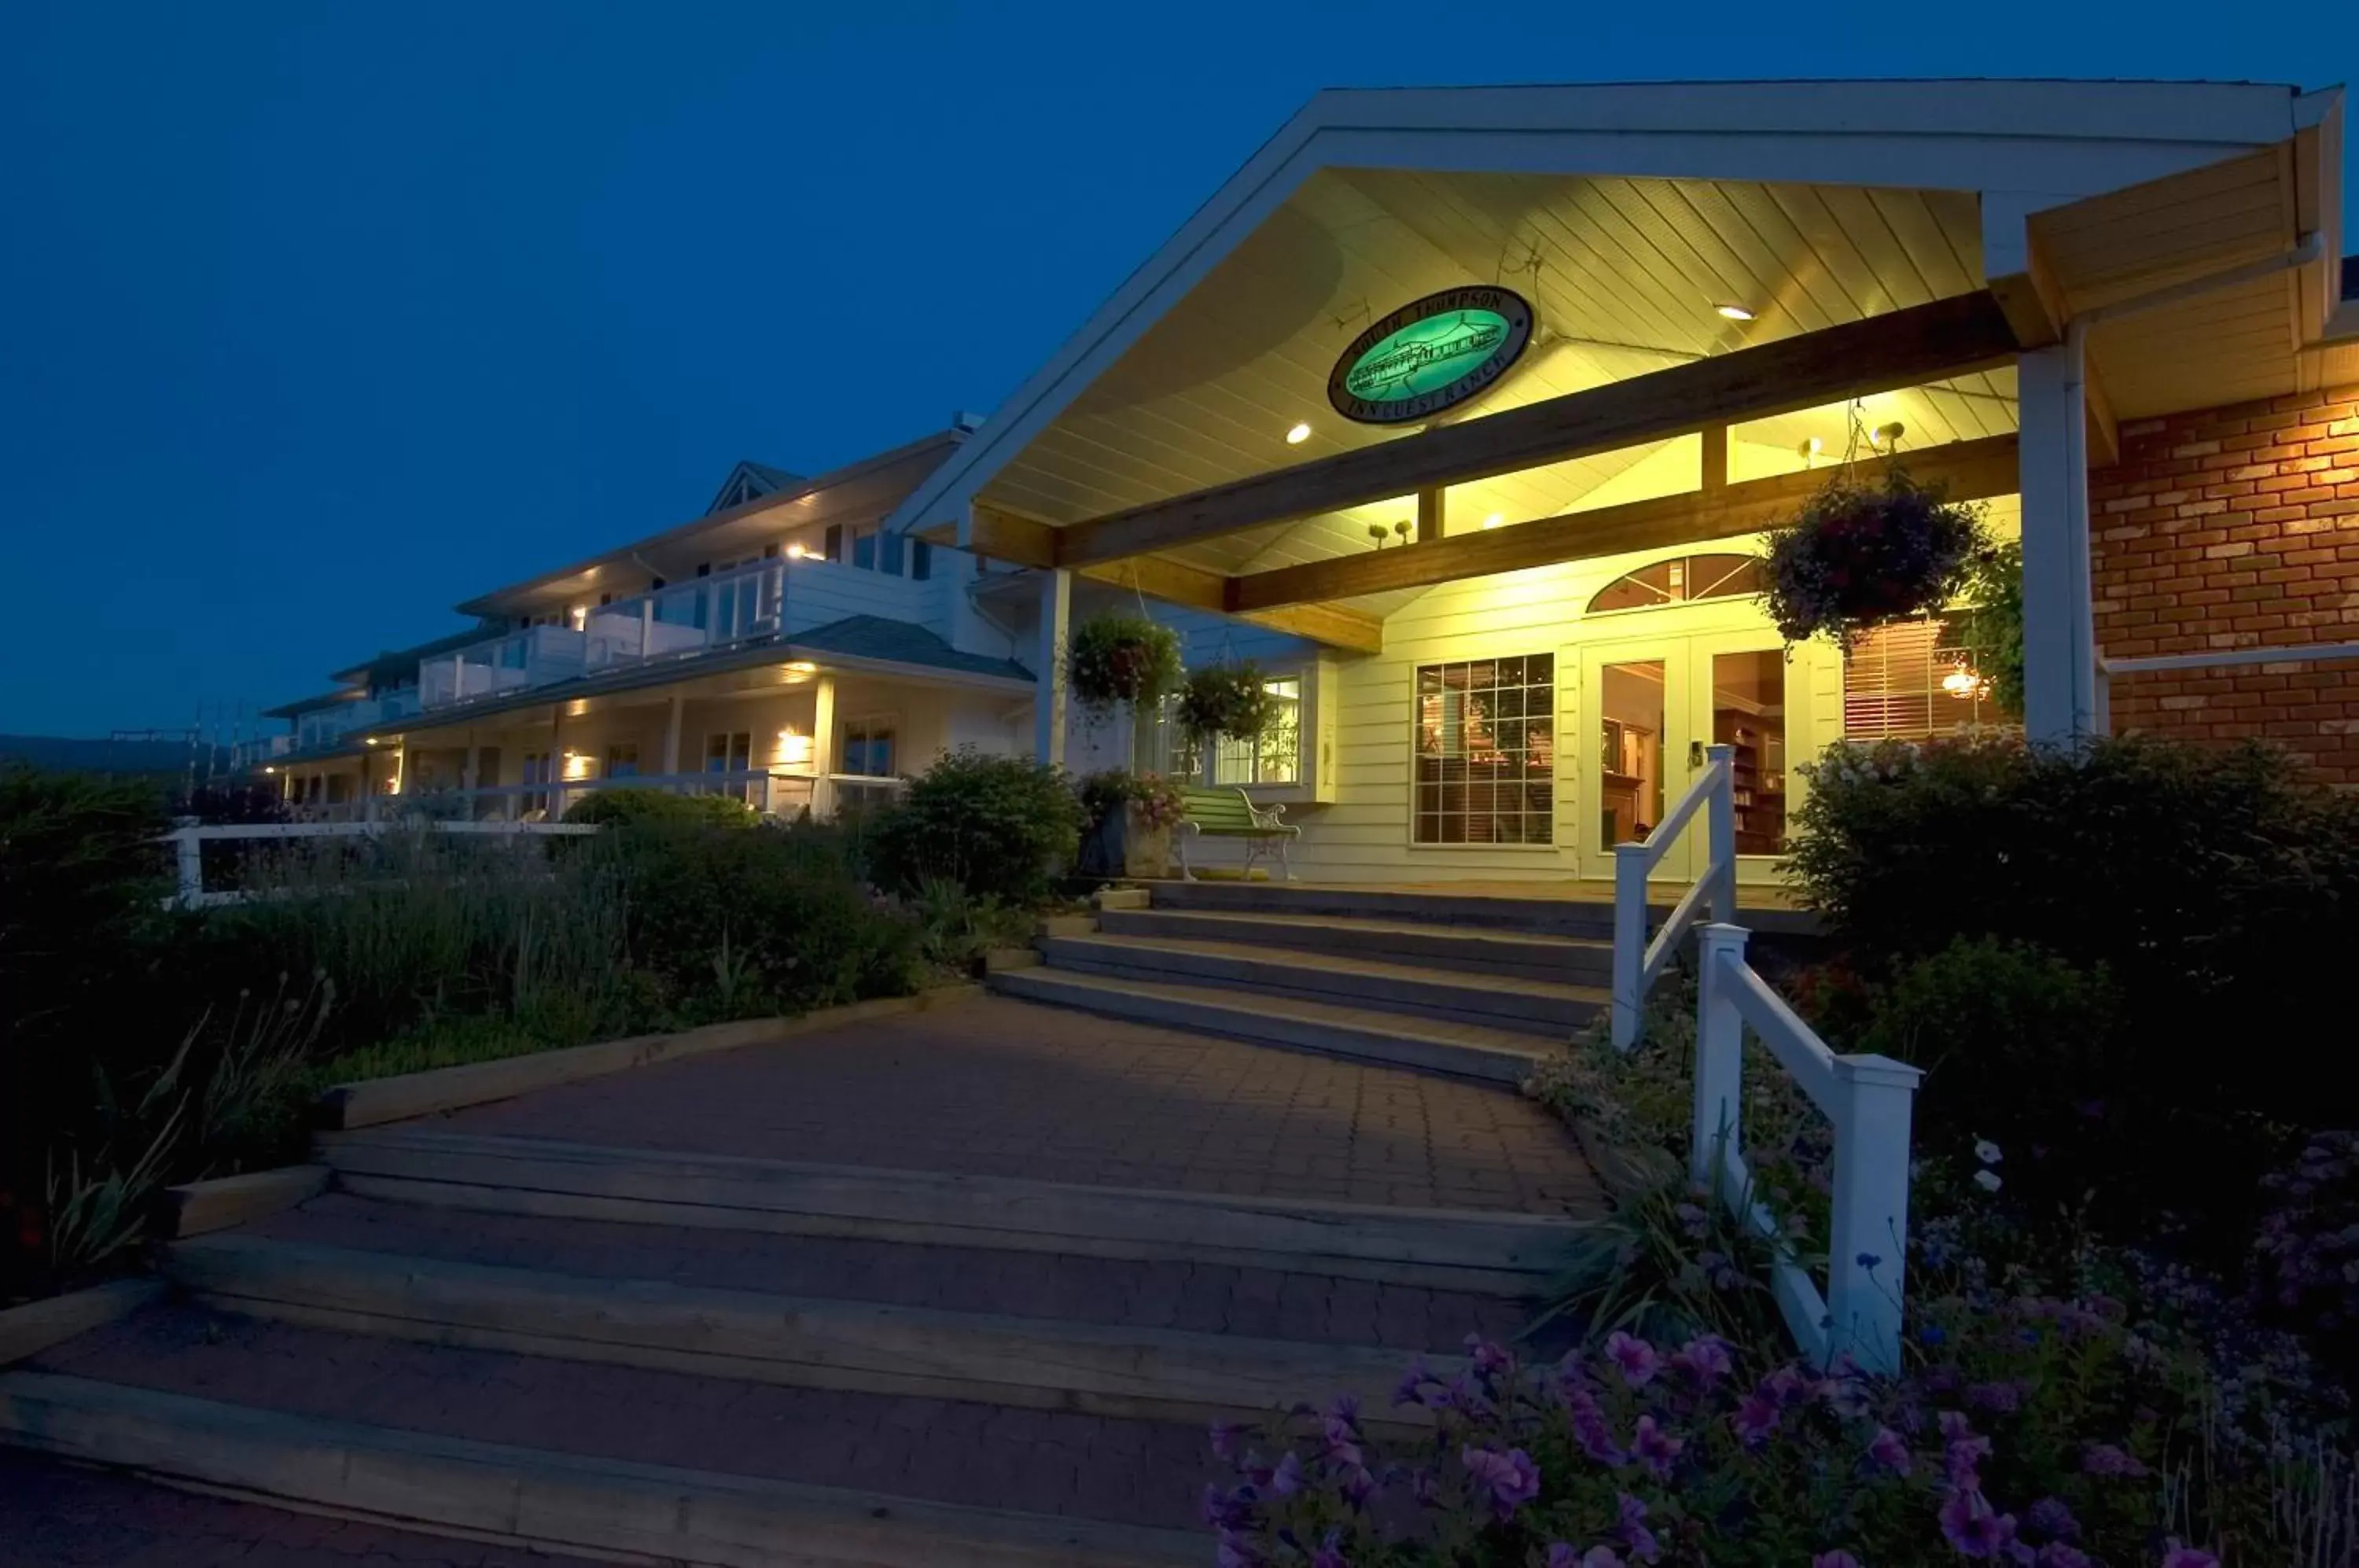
{"points": [[1430, 355]]}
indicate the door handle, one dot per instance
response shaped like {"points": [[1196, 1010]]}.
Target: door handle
{"points": [[1695, 755]]}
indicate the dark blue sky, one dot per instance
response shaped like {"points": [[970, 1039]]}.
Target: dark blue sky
{"points": [[315, 319]]}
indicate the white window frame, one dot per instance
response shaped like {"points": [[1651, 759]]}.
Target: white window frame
{"points": [[1555, 715], [890, 722]]}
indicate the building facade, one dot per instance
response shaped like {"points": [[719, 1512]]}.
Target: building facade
{"points": [[1461, 414]]}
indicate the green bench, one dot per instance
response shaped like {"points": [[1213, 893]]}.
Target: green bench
{"points": [[1231, 813]]}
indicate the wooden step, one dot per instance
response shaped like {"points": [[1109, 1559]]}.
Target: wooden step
{"points": [[809, 1342], [1502, 1056], [1495, 1252], [1467, 949], [562, 1501], [1532, 916], [1551, 1010]]}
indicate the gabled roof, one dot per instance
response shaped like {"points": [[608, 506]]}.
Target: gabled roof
{"points": [[748, 480], [2021, 146]]}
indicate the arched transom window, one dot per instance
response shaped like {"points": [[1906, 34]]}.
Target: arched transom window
{"points": [[1679, 580]]}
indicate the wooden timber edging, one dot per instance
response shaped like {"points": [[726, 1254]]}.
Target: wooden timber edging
{"points": [[1102, 1369], [417, 1480], [194, 1208], [376, 1101], [33, 1327], [1493, 1252]]}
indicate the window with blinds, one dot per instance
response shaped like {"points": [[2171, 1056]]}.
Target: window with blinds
{"points": [[1914, 679]]}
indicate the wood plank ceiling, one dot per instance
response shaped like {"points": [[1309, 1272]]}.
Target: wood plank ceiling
{"points": [[1625, 275]]}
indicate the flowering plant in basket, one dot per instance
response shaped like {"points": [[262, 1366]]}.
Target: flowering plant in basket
{"points": [[1116, 658], [1859, 556], [1153, 798], [1231, 701]]}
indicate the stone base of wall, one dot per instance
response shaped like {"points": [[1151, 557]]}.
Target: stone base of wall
{"points": [[2235, 527]]}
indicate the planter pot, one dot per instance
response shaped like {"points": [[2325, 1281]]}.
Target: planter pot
{"points": [[1124, 845]]}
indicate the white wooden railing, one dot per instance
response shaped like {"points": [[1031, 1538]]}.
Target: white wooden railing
{"points": [[189, 844], [1637, 962], [1869, 1100]]}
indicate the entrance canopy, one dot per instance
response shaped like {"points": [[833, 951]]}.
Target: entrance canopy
{"points": [[1729, 288]]}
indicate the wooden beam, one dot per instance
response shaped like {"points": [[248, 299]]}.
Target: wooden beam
{"points": [[1192, 587], [1005, 535], [1972, 471], [1715, 457], [1432, 521], [1901, 348]]}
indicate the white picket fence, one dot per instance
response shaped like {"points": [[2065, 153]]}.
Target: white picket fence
{"points": [[189, 844], [1869, 1100]]}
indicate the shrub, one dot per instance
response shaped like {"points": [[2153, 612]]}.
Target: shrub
{"points": [[2305, 1255], [628, 805], [998, 826]]}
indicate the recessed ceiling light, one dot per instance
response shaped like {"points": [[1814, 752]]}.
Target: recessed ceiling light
{"points": [[1298, 435], [1493, 521], [1735, 312]]}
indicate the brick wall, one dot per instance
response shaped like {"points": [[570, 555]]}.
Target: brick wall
{"points": [[2235, 527]]}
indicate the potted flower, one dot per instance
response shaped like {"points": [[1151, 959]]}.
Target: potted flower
{"points": [[1860, 556], [1227, 702], [1121, 658], [1131, 816]]}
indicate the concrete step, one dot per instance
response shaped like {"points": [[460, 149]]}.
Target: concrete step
{"points": [[612, 1461], [1112, 1292], [810, 1342], [1551, 1010], [1492, 1252], [1467, 949], [1532, 916], [1505, 1057]]}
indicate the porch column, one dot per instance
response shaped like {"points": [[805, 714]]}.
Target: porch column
{"points": [[1048, 667], [2060, 654], [671, 736], [822, 802]]}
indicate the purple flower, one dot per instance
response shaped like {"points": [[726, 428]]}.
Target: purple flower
{"points": [[1655, 1447], [2001, 1396], [2056, 1554], [1591, 1430], [1224, 1509], [1786, 1386], [1358, 1484], [1756, 1418], [2188, 1557], [1705, 1358], [1834, 1560], [1287, 1479], [1972, 1527], [1344, 1411], [1634, 1357], [2105, 1459], [1511, 1479], [1228, 1441], [1330, 1553], [1889, 1451], [1413, 1384], [2051, 1518], [1631, 1526], [1490, 1357]]}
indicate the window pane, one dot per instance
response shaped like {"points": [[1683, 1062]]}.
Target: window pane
{"points": [[1484, 739], [1748, 716], [1630, 754], [1916, 678]]}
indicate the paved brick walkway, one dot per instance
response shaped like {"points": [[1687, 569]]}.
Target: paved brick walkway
{"points": [[1000, 1087], [54, 1516]]}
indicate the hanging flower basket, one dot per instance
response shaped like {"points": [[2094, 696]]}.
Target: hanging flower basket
{"points": [[1227, 702], [1114, 659], [1860, 556]]}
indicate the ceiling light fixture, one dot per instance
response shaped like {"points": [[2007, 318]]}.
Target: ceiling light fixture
{"points": [[1886, 438], [1493, 521], [1298, 434], [1735, 312]]}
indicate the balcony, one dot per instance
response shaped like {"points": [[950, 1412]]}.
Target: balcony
{"points": [[323, 729], [768, 600]]}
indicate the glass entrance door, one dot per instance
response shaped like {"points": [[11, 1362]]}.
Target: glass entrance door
{"points": [[1652, 706]]}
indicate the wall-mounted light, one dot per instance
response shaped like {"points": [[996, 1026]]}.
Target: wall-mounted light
{"points": [[794, 750], [370, 740], [796, 551], [1735, 312], [579, 616], [1298, 434]]}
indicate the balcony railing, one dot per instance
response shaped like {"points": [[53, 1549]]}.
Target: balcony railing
{"points": [[773, 793], [729, 609], [324, 727]]}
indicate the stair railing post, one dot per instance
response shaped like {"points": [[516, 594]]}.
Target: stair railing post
{"points": [[1629, 941], [1867, 1242], [1719, 832], [1719, 1059], [189, 855]]}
